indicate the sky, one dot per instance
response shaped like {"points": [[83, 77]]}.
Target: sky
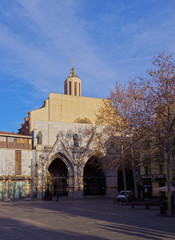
{"points": [[109, 40]]}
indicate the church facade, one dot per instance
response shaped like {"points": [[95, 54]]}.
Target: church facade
{"points": [[61, 157]]}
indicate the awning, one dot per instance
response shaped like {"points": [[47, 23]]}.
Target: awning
{"points": [[165, 189]]}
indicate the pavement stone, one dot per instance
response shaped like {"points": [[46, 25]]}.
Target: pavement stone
{"points": [[90, 218]]}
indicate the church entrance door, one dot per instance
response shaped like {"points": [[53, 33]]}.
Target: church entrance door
{"points": [[94, 178], [58, 179]]}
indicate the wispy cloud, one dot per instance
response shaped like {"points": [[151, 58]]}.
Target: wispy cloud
{"points": [[110, 41], [52, 32], [62, 36]]}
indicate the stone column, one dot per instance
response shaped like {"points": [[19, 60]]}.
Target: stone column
{"points": [[71, 185], [40, 160], [40, 183], [78, 182], [111, 184]]}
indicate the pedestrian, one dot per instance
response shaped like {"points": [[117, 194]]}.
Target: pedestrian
{"points": [[57, 197]]}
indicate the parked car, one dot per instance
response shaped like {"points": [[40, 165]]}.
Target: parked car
{"points": [[121, 195]]}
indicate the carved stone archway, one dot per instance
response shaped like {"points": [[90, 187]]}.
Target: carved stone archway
{"points": [[94, 177], [67, 162], [83, 120]]}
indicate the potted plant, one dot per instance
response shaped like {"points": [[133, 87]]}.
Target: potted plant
{"points": [[48, 195]]}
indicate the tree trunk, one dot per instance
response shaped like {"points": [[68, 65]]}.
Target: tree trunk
{"points": [[168, 166], [14, 189], [115, 192], [169, 188], [135, 182], [124, 180], [134, 172], [124, 174]]}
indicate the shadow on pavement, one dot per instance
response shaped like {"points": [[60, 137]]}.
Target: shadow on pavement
{"points": [[142, 233], [18, 230], [140, 222]]}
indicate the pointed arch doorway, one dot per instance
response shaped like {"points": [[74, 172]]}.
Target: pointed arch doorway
{"points": [[94, 177], [58, 177]]}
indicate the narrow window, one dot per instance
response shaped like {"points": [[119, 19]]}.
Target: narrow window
{"points": [[17, 162], [146, 170], [161, 169], [70, 92], [11, 139], [75, 88], [65, 88], [79, 89]]}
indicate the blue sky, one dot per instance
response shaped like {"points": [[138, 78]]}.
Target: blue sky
{"points": [[110, 40]]}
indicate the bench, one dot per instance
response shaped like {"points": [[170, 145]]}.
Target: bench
{"points": [[155, 202], [146, 203]]}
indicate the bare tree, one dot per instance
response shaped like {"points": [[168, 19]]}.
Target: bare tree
{"points": [[122, 113], [159, 111], [104, 147]]}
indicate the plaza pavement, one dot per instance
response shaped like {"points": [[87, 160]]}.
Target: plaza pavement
{"points": [[91, 218]]}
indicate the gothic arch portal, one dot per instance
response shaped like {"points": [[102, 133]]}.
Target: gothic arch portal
{"points": [[66, 161], [94, 177], [61, 179]]}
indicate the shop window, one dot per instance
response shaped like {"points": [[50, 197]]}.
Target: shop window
{"points": [[146, 159]]}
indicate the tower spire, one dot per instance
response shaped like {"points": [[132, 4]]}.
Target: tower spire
{"points": [[73, 62], [72, 85], [72, 70]]}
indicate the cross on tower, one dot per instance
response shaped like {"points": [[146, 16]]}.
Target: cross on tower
{"points": [[73, 62]]}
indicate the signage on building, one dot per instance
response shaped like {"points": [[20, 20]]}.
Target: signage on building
{"points": [[147, 185], [152, 176]]}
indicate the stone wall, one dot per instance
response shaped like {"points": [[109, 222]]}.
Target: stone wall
{"points": [[67, 109], [57, 142]]}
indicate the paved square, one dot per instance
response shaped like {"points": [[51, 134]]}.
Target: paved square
{"points": [[89, 218]]}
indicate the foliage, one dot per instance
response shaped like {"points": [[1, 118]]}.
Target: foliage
{"points": [[159, 111], [141, 117], [121, 115]]}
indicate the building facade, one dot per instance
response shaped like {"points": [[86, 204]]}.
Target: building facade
{"points": [[60, 155], [153, 172], [15, 165]]}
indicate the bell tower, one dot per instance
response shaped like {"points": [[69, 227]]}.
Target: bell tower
{"points": [[72, 85]]}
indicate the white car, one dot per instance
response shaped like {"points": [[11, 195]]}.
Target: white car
{"points": [[121, 196]]}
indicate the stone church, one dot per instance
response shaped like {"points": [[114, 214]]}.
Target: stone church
{"points": [[54, 149]]}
